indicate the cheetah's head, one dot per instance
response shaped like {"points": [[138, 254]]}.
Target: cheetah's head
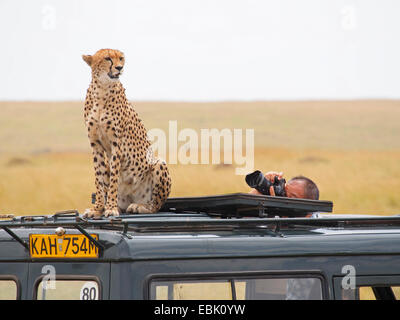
{"points": [[106, 64]]}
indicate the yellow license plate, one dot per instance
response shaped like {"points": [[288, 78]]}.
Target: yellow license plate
{"points": [[66, 246]]}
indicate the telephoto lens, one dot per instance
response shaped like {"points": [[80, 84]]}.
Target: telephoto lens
{"points": [[257, 181]]}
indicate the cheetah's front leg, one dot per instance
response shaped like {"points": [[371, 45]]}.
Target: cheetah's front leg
{"points": [[101, 180], [111, 208]]}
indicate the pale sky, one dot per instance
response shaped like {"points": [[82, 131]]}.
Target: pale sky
{"points": [[204, 50]]}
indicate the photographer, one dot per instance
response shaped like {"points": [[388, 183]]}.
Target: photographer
{"points": [[297, 187], [273, 184]]}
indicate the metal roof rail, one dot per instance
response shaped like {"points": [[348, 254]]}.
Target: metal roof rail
{"points": [[169, 222], [277, 223], [7, 216]]}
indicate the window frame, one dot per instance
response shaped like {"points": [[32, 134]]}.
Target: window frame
{"points": [[229, 276], [68, 277]]}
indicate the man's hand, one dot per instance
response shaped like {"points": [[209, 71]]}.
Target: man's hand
{"points": [[270, 175]]}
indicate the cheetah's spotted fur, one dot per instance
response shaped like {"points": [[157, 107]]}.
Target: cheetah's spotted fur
{"points": [[127, 176]]}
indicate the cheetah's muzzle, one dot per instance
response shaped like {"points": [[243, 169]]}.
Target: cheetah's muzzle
{"points": [[114, 76]]}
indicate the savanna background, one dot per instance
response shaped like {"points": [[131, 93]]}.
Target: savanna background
{"points": [[318, 81], [351, 149]]}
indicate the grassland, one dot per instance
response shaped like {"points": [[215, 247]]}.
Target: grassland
{"points": [[350, 148]]}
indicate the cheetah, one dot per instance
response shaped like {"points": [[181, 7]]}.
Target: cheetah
{"points": [[128, 178]]}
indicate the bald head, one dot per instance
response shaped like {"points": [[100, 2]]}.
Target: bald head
{"points": [[302, 187]]}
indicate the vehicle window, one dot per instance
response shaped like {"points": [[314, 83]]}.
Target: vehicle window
{"points": [[193, 290], [284, 289], [68, 290], [8, 290], [239, 289], [396, 291], [367, 293]]}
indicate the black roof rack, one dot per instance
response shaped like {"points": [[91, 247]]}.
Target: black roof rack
{"points": [[172, 222], [247, 205], [168, 221], [231, 211]]}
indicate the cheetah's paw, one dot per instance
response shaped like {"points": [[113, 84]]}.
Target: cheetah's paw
{"points": [[111, 212], [138, 208], [92, 213]]}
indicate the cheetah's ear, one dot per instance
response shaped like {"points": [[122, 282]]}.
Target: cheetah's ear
{"points": [[87, 59]]}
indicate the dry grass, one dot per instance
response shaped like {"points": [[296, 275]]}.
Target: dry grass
{"points": [[351, 149], [35, 127], [357, 182]]}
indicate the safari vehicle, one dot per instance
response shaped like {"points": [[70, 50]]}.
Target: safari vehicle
{"points": [[234, 246]]}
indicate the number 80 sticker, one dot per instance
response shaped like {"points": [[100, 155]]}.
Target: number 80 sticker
{"points": [[89, 291]]}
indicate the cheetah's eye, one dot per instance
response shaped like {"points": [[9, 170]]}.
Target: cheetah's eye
{"points": [[121, 58], [108, 59]]}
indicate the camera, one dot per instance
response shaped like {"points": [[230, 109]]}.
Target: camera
{"points": [[258, 181]]}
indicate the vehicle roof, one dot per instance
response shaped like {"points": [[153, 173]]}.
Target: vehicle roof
{"points": [[234, 225], [166, 236]]}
